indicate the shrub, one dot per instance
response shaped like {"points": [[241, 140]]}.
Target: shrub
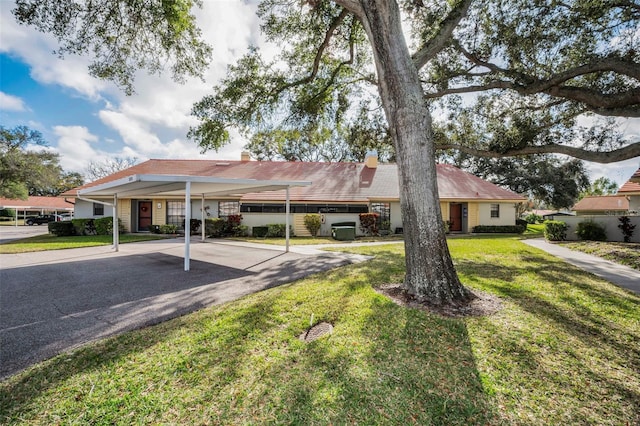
{"points": [[215, 227], [555, 230], [194, 224], [533, 218], [495, 229], [8, 213], [168, 228], [83, 226], [241, 231], [369, 223], [312, 222], [278, 230], [447, 226], [626, 227], [522, 222], [259, 231], [104, 226], [61, 229], [592, 231]]}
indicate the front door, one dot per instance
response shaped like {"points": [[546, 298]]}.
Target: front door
{"points": [[144, 215], [455, 217]]}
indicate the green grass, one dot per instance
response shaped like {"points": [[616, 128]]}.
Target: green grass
{"points": [[565, 349], [534, 230], [51, 242], [305, 241]]}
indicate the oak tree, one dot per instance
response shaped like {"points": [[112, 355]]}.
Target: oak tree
{"points": [[528, 64]]}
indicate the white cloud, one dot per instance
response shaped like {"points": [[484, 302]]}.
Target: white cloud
{"points": [[74, 147], [11, 103]]}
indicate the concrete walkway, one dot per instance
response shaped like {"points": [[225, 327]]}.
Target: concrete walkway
{"points": [[54, 301], [620, 275]]}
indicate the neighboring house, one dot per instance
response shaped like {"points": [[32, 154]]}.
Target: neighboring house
{"points": [[338, 191], [549, 214], [36, 205], [631, 190], [604, 205]]}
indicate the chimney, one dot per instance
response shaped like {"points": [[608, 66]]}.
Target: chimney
{"points": [[245, 156], [371, 159]]}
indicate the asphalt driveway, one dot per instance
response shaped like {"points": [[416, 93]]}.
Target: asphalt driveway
{"points": [[51, 302]]}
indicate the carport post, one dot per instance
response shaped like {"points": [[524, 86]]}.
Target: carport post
{"points": [[187, 224], [115, 226], [16, 217], [202, 217], [287, 209]]}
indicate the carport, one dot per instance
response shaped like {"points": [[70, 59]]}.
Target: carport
{"points": [[182, 186]]}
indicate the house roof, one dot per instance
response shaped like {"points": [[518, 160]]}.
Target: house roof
{"points": [[602, 203], [632, 185], [340, 182], [36, 203]]}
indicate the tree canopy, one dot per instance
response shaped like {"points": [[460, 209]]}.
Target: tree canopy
{"points": [[26, 170]]}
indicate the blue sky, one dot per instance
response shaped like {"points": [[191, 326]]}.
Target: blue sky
{"points": [[85, 119]]}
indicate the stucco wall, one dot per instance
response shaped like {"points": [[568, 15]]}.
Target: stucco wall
{"points": [[610, 224], [507, 215], [634, 203]]}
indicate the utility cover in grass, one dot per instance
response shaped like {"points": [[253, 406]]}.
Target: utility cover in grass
{"points": [[316, 332]]}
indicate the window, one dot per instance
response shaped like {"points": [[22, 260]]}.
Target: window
{"points": [[383, 210], [227, 208], [175, 213], [495, 210], [98, 209]]}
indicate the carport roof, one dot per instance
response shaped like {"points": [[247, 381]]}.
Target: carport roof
{"points": [[175, 185]]}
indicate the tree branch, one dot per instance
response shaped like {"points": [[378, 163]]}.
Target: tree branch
{"points": [[604, 157], [432, 47]]}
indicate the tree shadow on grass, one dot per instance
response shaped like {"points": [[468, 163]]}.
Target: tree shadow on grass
{"points": [[243, 363]]}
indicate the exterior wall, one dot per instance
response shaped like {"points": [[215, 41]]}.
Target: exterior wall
{"points": [[124, 213], [83, 210], [507, 214], [444, 207], [610, 224], [396, 216], [473, 215], [263, 219], [159, 215], [210, 212], [634, 203]]}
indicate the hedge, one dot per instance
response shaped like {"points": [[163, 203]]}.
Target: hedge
{"points": [[61, 229], [504, 229], [555, 230], [260, 231]]}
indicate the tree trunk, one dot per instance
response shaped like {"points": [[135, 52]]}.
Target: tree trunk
{"points": [[430, 275]]}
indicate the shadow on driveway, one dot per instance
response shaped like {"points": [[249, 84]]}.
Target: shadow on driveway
{"points": [[48, 308]]}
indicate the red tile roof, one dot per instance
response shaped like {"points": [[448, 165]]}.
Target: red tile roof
{"points": [[632, 185], [602, 203], [37, 203], [340, 182]]}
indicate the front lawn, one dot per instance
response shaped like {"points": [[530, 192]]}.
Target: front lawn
{"points": [[51, 242], [565, 349]]}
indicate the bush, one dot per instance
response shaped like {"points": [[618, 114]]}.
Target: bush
{"points": [[555, 230], [215, 227], [241, 231], [278, 230], [495, 229], [447, 226], [522, 222], [592, 231], [84, 226], [194, 224], [312, 222], [532, 218], [626, 227], [369, 223], [8, 213], [61, 229], [104, 226], [259, 231], [168, 229]]}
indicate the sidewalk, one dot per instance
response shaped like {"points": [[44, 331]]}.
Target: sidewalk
{"points": [[620, 275]]}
